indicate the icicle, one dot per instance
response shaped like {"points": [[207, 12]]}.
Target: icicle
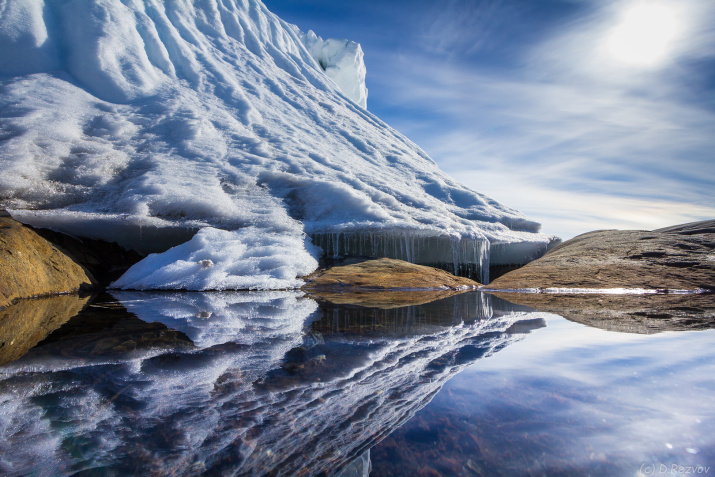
{"points": [[455, 252]]}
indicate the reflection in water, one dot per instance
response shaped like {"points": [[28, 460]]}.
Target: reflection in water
{"points": [[627, 313], [237, 383], [568, 401], [27, 322]]}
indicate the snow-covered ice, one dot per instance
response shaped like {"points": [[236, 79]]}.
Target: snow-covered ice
{"points": [[143, 121], [343, 61]]}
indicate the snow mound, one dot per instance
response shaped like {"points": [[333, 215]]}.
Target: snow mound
{"points": [[343, 61], [143, 121], [245, 259]]}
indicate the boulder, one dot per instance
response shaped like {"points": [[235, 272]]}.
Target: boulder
{"points": [[384, 283], [676, 258], [387, 274], [30, 266]]}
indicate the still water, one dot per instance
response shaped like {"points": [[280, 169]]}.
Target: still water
{"points": [[275, 383]]}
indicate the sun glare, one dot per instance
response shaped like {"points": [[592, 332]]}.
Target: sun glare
{"points": [[645, 35]]}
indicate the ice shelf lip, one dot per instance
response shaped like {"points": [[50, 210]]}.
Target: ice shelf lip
{"points": [[599, 291]]}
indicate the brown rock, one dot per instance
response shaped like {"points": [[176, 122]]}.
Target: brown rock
{"points": [[387, 274], [675, 259], [30, 266], [28, 322]]}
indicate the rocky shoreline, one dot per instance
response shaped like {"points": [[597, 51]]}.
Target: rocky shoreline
{"points": [[43, 263]]}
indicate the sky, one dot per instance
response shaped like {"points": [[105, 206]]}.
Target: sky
{"points": [[582, 114]]}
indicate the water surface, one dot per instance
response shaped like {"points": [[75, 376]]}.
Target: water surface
{"points": [[275, 383]]}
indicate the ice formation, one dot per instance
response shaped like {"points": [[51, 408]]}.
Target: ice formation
{"points": [[343, 61], [143, 121], [270, 387]]}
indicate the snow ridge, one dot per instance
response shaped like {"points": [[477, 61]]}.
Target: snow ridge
{"points": [[129, 119]]}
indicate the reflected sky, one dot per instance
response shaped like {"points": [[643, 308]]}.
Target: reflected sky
{"points": [[569, 400]]}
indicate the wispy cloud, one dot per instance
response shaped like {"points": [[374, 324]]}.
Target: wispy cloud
{"points": [[569, 138]]}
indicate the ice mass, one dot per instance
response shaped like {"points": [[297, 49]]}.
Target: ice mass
{"points": [[216, 128]]}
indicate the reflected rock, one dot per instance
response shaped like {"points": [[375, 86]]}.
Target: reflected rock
{"points": [[103, 330], [644, 314], [269, 389], [27, 322], [386, 299]]}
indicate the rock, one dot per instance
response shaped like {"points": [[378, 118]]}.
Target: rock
{"points": [[26, 323], [676, 258], [704, 227], [384, 283], [644, 314], [388, 274], [30, 266]]}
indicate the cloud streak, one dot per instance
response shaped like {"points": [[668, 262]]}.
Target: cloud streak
{"points": [[565, 127]]}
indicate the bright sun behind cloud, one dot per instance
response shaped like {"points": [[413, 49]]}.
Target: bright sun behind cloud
{"points": [[645, 35]]}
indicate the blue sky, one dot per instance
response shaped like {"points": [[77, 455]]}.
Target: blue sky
{"points": [[583, 114]]}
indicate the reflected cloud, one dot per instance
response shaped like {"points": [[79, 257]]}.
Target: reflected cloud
{"points": [[572, 401]]}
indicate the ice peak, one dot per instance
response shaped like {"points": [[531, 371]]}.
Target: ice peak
{"points": [[343, 62]]}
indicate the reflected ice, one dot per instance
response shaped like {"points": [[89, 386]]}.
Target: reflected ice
{"points": [[254, 383]]}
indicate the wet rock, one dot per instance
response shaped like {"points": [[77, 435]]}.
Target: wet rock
{"points": [[30, 266], [386, 274], [643, 314], [676, 258], [28, 322]]}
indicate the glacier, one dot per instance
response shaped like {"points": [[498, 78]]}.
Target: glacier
{"points": [[145, 122]]}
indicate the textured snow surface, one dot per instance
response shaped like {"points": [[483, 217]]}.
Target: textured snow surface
{"points": [[220, 259], [124, 120]]}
